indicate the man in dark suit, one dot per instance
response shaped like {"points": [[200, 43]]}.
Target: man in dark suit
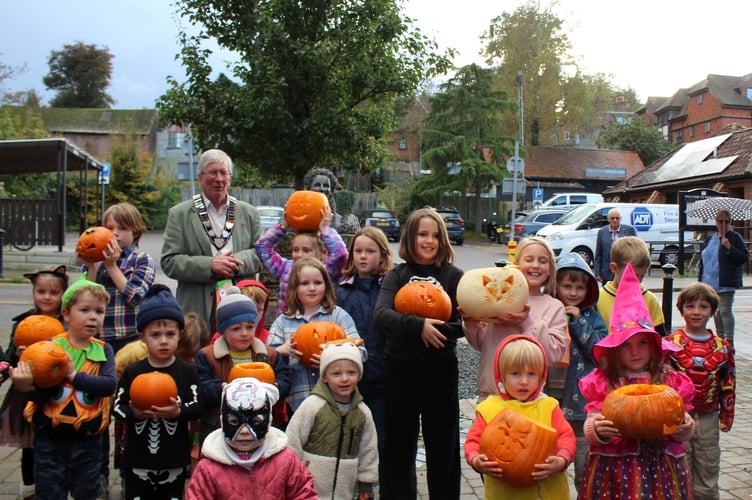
{"points": [[605, 238]]}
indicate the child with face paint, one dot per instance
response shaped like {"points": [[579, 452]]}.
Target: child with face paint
{"points": [[247, 457]]}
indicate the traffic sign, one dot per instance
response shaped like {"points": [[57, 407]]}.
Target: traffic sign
{"points": [[104, 175], [515, 164], [508, 185], [537, 194]]}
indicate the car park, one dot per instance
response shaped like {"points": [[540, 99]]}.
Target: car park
{"points": [[384, 220], [528, 223], [269, 215], [455, 224]]}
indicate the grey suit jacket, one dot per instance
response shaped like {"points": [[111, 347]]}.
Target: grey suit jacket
{"points": [[603, 250], [187, 254]]}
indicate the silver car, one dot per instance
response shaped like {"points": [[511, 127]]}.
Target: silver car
{"points": [[269, 216]]}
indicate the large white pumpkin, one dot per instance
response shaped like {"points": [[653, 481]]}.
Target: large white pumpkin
{"points": [[488, 292]]}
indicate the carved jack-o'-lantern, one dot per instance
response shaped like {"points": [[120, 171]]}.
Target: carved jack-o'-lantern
{"points": [[35, 328], [309, 337], [644, 411], [303, 210], [487, 293], [92, 243], [423, 299], [257, 369], [517, 443], [48, 363], [153, 389]]}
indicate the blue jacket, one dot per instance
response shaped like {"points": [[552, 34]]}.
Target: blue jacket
{"points": [[730, 262]]}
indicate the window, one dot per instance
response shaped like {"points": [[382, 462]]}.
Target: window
{"points": [[184, 171], [749, 93], [699, 100], [692, 131], [678, 137], [707, 127], [403, 142], [175, 140], [565, 135], [554, 138]]}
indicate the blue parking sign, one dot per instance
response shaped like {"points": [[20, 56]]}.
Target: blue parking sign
{"points": [[104, 175], [537, 193]]}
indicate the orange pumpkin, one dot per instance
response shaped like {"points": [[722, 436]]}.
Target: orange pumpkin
{"points": [[644, 411], [35, 328], [48, 363], [92, 243], [152, 389], [309, 337], [424, 299], [256, 369], [517, 443], [303, 210], [489, 292]]}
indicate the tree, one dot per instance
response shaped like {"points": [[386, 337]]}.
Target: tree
{"points": [[313, 86], [463, 142], [530, 42], [633, 134], [80, 74]]}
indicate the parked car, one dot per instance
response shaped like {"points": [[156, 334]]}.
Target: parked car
{"points": [[384, 220], [454, 223], [269, 216], [528, 223]]}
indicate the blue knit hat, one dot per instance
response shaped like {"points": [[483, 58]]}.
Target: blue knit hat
{"points": [[235, 308], [158, 303]]}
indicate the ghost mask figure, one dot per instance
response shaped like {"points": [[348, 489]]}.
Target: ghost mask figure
{"points": [[246, 412]]}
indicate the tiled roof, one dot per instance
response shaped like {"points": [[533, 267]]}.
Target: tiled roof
{"points": [[571, 163], [100, 121]]}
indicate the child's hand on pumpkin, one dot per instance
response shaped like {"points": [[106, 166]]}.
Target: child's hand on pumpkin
{"points": [[21, 377], [288, 349], [315, 360], [170, 411], [552, 465], [430, 336], [326, 218], [482, 465], [605, 428], [111, 253]]}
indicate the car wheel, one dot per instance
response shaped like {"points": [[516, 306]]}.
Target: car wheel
{"points": [[460, 242], [670, 255], [586, 255]]}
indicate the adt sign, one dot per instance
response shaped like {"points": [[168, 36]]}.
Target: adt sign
{"points": [[642, 219]]}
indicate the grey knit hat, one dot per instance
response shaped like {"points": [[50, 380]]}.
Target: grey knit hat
{"points": [[235, 308]]}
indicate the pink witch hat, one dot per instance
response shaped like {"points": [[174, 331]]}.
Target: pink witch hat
{"points": [[629, 317]]}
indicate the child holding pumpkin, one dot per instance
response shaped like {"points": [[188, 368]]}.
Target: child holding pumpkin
{"points": [[237, 317], [326, 245], [544, 318], [312, 298], [421, 369], [47, 288], [333, 431], [634, 353], [709, 361], [577, 289], [67, 432], [158, 445], [520, 370]]}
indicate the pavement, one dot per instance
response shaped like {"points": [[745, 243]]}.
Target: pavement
{"points": [[736, 445]]}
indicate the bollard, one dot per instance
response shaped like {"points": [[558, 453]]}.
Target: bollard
{"points": [[668, 295], [512, 246]]}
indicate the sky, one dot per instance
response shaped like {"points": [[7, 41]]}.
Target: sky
{"points": [[654, 46]]}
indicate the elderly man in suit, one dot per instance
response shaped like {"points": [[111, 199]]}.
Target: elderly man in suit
{"points": [[605, 238], [210, 238]]}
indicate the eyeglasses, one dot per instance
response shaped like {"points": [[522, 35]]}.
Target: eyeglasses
{"points": [[216, 173]]}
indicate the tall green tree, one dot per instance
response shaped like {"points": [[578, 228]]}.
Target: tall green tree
{"points": [[633, 134], [463, 141], [529, 42], [80, 73], [313, 86]]}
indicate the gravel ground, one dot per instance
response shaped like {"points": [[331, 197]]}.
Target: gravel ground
{"points": [[469, 360]]}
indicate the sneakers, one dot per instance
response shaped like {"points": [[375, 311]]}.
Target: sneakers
{"points": [[26, 490]]}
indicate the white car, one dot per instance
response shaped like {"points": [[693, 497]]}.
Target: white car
{"points": [[269, 216]]}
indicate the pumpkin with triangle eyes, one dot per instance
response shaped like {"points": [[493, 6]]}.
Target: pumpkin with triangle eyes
{"points": [[424, 299], [309, 337], [303, 210], [92, 243]]}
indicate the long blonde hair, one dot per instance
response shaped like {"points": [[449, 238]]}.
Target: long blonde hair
{"points": [[549, 286]]}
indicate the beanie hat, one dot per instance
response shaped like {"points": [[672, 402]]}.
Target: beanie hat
{"points": [[334, 352], [158, 303], [235, 308], [77, 285], [629, 317]]}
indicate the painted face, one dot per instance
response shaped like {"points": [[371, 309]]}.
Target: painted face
{"points": [[48, 294], [311, 287], [427, 241], [240, 335], [303, 245], [342, 378], [84, 318], [322, 184], [366, 256], [123, 235], [522, 383], [246, 413], [635, 352], [161, 338], [214, 181], [535, 264], [696, 315], [571, 293]]}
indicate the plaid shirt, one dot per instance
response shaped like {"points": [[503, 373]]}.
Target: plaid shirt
{"points": [[138, 269]]}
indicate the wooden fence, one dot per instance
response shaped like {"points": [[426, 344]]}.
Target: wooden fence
{"points": [[29, 222]]}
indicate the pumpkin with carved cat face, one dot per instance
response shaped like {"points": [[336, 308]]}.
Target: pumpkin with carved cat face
{"points": [[487, 293]]}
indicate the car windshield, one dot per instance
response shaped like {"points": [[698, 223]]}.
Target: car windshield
{"points": [[575, 215]]}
